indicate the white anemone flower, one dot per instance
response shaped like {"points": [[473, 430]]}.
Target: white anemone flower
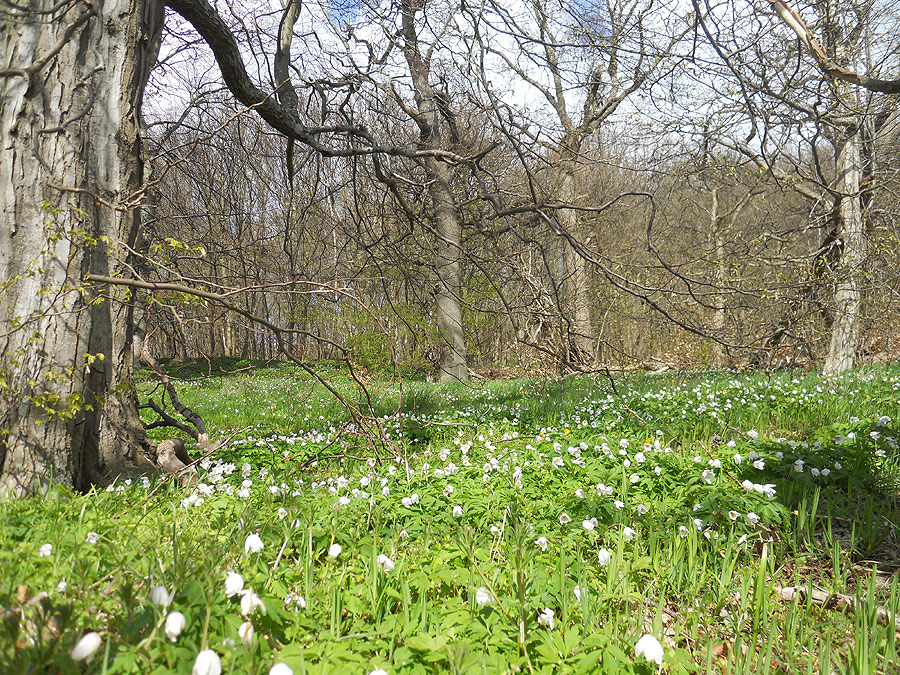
{"points": [[234, 584], [250, 601], [650, 648], [483, 596], [386, 563], [159, 595], [546, 618], [628, 533], [281, 669], [564, 518], [87, 646], [253, 544], [603, 557], [207, 663], [45, 550], [175, 623], [457, 511], [334, 550], [246, 633], [541, 543]]}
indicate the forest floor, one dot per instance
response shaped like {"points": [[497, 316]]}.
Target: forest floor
{"points": [[517, 526]]}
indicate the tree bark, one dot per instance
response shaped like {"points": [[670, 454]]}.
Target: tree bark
{"points": [[577, 285], [448, 230], [71, 133], [848, 293]]}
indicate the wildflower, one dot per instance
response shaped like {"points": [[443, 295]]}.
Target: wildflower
{"points": [[483, 597], [404, 534], [642, 509], [207, 663], [752, 518], [87, 646], [234, 584], [603, 557], [619, 504], [92, 538], [564, 518], [557, 462], [682, 531], [814, 472], [334, 550], [281, 669], [734, 515], [628, 533], [634, 478], [386, 563], [251, 601], [541, 542], [577, 591], [379, 671], [603, 490], [45, 550], [798, 466], [650, 648], [589, 525], [246, 633], [160, 596], [175, 623], [253, 544], [61, 587], [709, 476], [753, 435], [545, 618], [457, 511], [738, 459], [579, 493]]}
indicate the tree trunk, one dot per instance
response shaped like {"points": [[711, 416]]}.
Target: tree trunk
{"points": [[448, 230], [577, 287], [718, 242], [447, 293], [70, 130], [848, 293]]}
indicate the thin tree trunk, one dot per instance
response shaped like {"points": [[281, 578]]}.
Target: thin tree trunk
{"points": [[71, 160], [577, 293], [718, 242], [848, 293]]}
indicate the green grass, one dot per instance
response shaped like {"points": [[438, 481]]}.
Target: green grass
{"points": [[550, 476]]}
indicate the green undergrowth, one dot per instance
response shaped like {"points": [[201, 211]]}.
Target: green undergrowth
{"points": [[522, 526]]}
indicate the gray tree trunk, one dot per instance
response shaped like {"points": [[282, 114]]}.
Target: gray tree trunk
{"points": [[448, 231], [577, 285], [848, 293], [71, 167]]}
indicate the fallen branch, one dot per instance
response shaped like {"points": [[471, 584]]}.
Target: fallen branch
{"points": [[839, 601]]}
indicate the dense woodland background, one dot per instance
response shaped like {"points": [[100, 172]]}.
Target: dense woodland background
{"points": [[582, 125]]}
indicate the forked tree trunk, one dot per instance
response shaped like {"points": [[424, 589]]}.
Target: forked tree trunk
{"points": [[848, 293], [71, 164]]}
